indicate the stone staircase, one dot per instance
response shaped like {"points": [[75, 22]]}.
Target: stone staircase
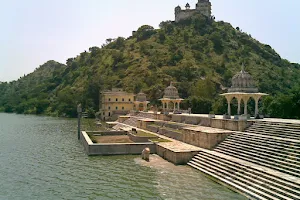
{"points": [[146, 115], [276, 129], [262, 163], [132, 121], [252, 180], [270, 152]]}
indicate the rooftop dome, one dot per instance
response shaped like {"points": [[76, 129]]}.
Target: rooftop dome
{"points": [[243, 82], [171, 92], [141, 97]]}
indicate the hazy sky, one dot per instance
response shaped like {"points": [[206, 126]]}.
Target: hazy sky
{"points": [[35, 31]]}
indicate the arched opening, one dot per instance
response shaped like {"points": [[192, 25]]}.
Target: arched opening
{"points": [[234, 106], [141, 107], [171, 106], [251, 107]]}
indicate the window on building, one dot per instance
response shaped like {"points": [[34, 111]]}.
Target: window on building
{"points": [[103, 113], [109, 99], [109, 114], [123, 99], [129, 99], [122, 108], [108, 107], [116, 99], [117, 108]]}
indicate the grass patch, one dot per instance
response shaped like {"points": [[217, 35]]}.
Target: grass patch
{"points": [[144, 134], [91, 125], [157, 140], [174, 130], [92, 137], [154, 125]]}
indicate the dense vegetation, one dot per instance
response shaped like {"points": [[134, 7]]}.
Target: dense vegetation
{"points": [[201, 55]]}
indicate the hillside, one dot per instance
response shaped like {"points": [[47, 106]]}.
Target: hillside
{"points": [[200, 54]]}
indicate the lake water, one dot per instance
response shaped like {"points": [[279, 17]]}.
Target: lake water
{"points": [[41, 158]]}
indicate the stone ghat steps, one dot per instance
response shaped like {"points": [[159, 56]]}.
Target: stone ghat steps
{"points": [[287, 158], [254, 183], [284, 130], [270, 132], [146, 115], [278, 127], [255, 157], [279, 124], [132, 121], [284, 148]]}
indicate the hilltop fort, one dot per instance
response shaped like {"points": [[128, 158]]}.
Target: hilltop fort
{"points": [[203, 7]]}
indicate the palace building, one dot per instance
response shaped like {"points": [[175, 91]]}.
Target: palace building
{"points": [[115, 103]]}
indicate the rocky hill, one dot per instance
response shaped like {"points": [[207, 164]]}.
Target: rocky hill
{"points": [[200, 54]]}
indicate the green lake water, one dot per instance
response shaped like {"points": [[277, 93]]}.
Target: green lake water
{"points": [[41, 158]]}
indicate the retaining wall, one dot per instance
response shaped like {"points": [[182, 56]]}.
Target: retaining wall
{"points": [[93, 149], [177, 158]]}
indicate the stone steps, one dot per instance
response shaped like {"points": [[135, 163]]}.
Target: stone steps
{"points": [[280, 124], [277, 180], [268, 139], [272, 133], [254, 183], [231, 151], [132, 121], [277, 126], [288, 130], [269, 154], [282, 149]]}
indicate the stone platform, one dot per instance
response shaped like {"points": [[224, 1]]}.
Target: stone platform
{"points": [[176, 152]]}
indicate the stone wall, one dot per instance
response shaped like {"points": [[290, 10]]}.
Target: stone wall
{"points": [[177, 158], [114, 149], [171, 134], [139, 139], [203, 139], [233, 125], [184, 14]]}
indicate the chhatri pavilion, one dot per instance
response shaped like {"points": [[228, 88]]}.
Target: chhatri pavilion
{"points": [[243, 88], [171, 100], [141, 102]]}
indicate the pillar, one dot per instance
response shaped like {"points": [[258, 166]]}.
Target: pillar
{"points": [[167, 105], [229, 98], [178, 106], [256, 98], [174, 105], [239, 105], [246, 99]]}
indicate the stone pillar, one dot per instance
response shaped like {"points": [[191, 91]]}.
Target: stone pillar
{"points": [[256, 105], [239, 105], [246, 99], [229, 98], [145, 106], [178, 106], [167, 105], [174, 105]]}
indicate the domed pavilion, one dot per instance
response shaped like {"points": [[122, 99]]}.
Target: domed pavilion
{"points": [[171, 100], [141, 102], [243, 88]]}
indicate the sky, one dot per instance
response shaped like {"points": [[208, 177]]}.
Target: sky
{"points": [[35, 31]]}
